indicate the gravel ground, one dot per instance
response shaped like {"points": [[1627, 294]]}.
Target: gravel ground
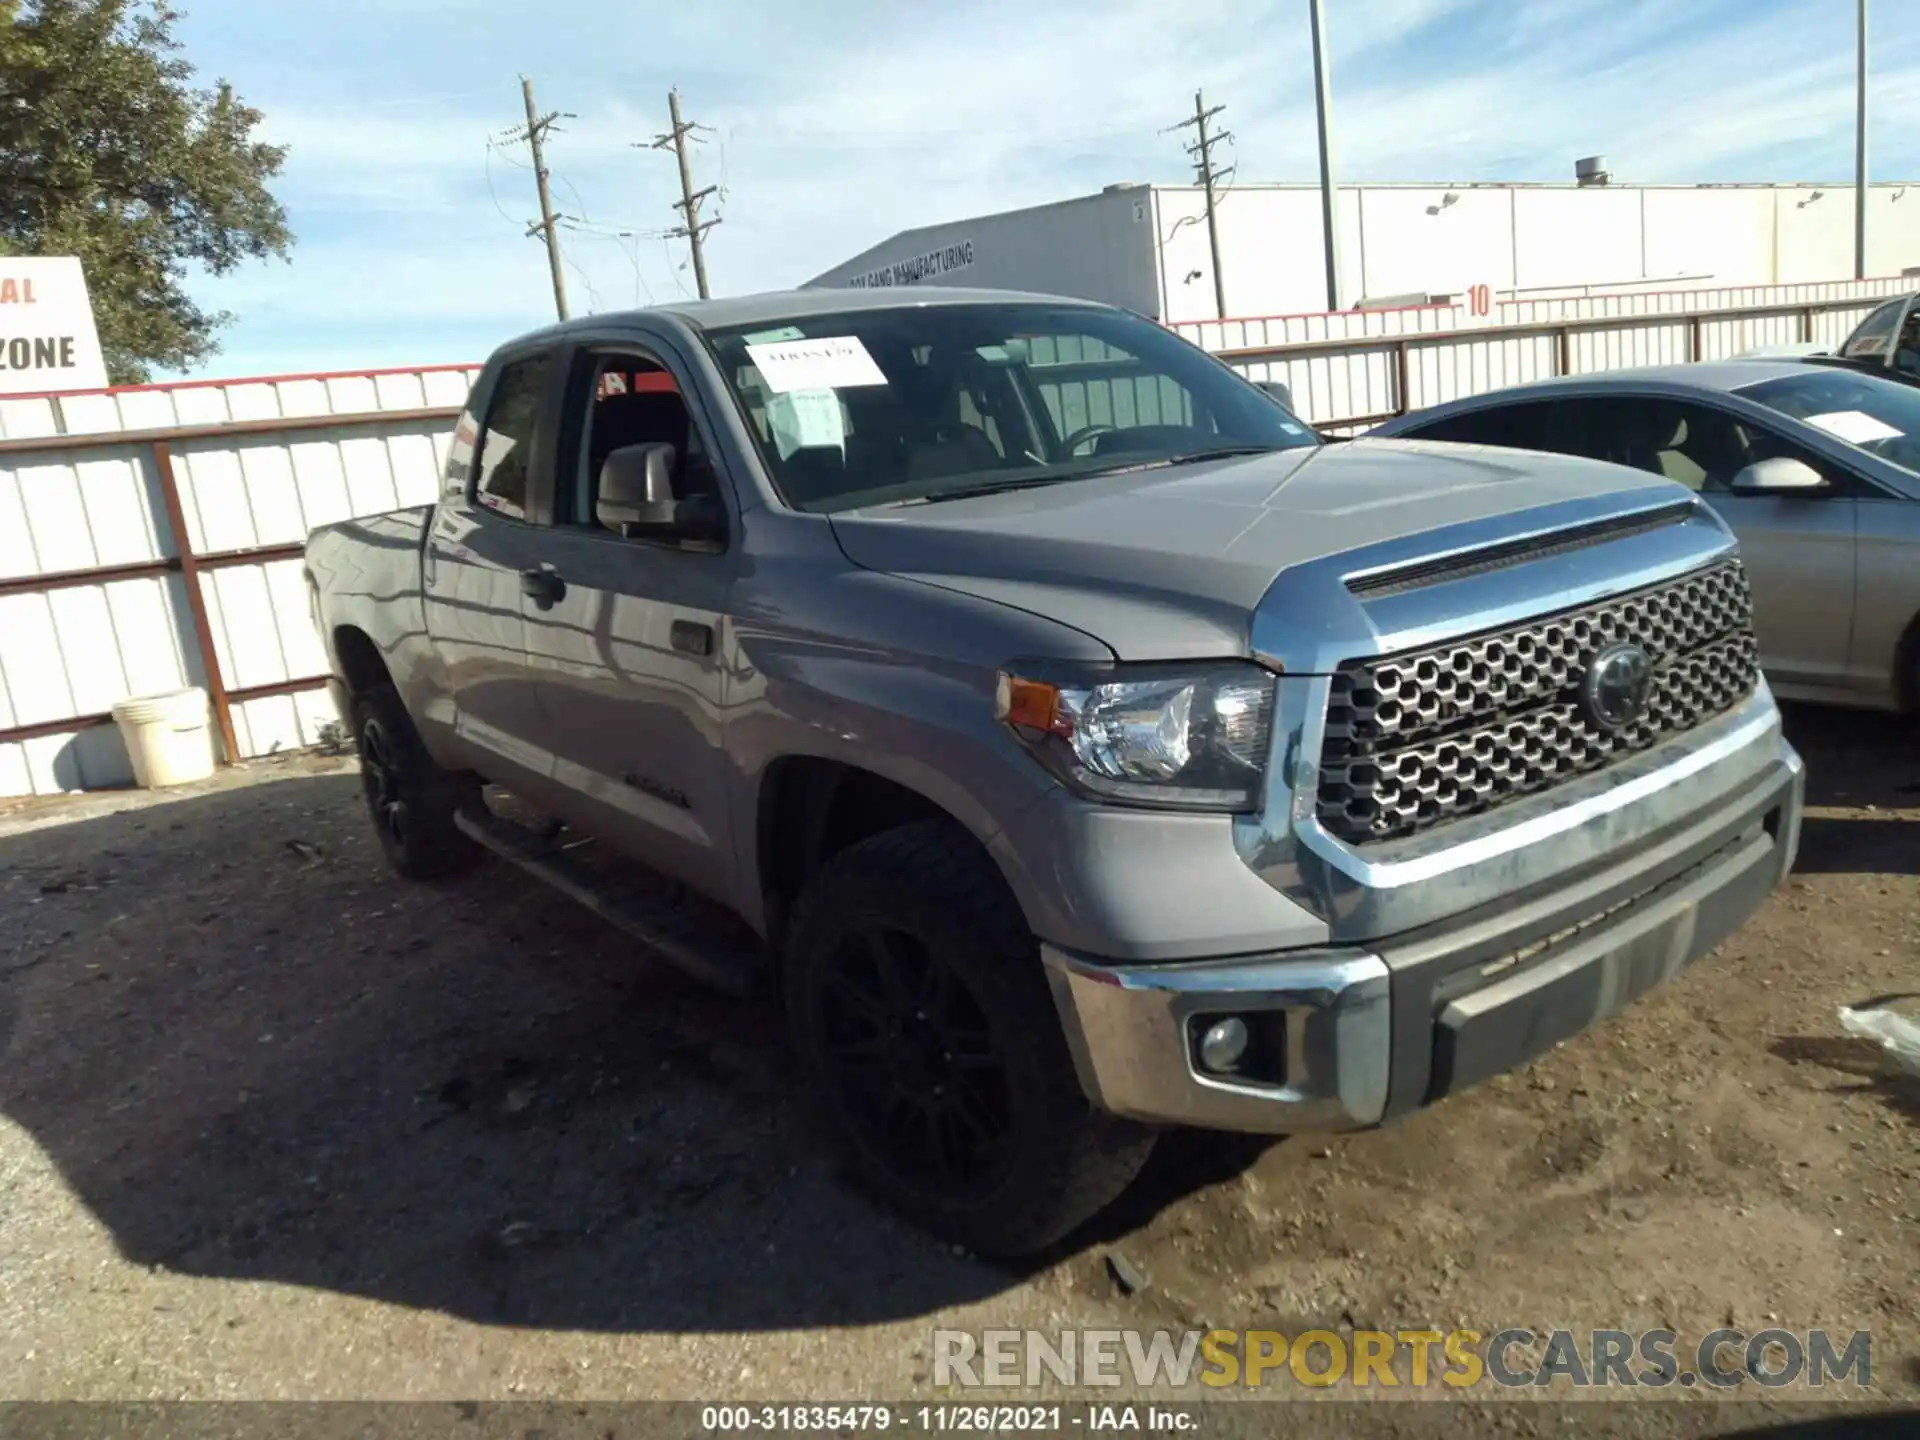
{"points": [[274, 1125]]}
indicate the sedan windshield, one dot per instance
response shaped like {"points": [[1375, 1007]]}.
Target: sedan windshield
{"points": [[1879, 416], [934, 402]]}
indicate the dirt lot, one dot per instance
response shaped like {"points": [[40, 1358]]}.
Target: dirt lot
{"points": [[276, 1125]]}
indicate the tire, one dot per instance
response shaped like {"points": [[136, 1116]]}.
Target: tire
{"points": [[1010, 1157], [410, 799]]}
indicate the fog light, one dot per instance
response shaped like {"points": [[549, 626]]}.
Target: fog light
{"points": [[1224, 1044]]}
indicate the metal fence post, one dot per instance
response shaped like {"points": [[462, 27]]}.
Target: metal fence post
{"points": [[196, 601]]}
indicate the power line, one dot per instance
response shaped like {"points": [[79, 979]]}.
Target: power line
{"points": [[692, 228], [534, 133], [492, 193], [594, 304], [1201, 149]]}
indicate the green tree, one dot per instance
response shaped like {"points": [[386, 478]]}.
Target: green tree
{"points": [[109, 151]]}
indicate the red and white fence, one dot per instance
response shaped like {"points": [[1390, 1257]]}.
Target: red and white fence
{"points": [[150, 538]]}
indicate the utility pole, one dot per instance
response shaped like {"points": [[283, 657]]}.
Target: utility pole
{"points": [[692, 228], [537, 127], [1202, 151], [1860, 157], [1329, 193]]}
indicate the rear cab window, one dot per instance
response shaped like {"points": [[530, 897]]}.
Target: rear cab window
{"points": [[506, 441]]}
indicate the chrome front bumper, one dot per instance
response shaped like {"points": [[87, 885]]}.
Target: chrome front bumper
{"points": [[1357, 1035]]}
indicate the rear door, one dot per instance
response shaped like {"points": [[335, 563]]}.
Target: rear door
{"points": [[1799, 550], [487, 531], [631, 644]]}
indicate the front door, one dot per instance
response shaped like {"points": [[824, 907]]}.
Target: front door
{"points": [[630, 643], [1799, 554]]}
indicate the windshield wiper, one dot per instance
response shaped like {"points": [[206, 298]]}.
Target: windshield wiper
{"points": [[1224, 452], [1034, 479], [969, 492]]}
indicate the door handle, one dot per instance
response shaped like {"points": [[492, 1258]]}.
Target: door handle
{"points": [[542, 585]]}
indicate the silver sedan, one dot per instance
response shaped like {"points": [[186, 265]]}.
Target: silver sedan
{"points": [[1817, 470]]}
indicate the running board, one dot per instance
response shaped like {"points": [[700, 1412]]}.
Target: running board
{"points": [[679, 936]]}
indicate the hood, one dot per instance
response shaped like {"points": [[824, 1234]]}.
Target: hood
{"points": [[1169, 563]]}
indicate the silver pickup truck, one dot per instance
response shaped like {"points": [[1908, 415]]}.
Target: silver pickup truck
{"points": [[1086, 747]]}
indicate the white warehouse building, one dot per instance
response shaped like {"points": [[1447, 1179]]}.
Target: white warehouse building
{"points": [[1146, 247]]}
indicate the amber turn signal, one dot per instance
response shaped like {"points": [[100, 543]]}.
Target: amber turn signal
{"points": [[1031, 703]]}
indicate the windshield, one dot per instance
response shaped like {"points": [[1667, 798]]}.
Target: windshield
{"points": [[929, 402], [1879, 416]]}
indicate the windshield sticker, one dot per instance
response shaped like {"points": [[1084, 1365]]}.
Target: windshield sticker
{"points": [[835, 362], [768, 337], [806, 420], [1855, 426]]}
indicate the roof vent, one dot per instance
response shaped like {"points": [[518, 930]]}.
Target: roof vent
{"points": [[1123, 185], [1592, 170]]}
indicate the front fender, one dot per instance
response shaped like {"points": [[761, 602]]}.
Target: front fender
{"points": [[911, 699]]}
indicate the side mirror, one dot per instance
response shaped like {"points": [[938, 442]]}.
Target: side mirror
{"points": [[636, 488], [636, 499], [1781, 475], [1279, 390]]}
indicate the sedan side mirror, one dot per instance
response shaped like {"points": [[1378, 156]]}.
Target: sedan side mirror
{"points": [[1279, 390], [1782, 475]]}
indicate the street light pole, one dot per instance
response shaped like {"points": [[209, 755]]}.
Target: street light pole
{"points": [[1329, 195], [1860, 158]]}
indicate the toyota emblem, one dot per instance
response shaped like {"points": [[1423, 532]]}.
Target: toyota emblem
{"points": [[1614, 690]]}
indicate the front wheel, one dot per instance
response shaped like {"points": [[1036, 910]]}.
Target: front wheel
{"points": [[411, 800], [923, 1020]]}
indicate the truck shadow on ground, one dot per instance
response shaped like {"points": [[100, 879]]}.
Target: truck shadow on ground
{"points": [[253, 1054]]}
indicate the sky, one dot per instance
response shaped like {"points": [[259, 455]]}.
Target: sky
{"points": [[835, 125]]}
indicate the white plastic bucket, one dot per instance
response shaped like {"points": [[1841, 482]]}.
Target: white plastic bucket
{"points": [[168, 737]]}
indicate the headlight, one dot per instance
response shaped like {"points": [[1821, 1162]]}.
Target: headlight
{"points": [[1190, 739]]}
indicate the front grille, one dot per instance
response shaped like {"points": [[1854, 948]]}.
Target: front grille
{"points": [[1430, 735]]}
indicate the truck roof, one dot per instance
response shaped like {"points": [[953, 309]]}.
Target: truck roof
{"points": [[776, 305]]}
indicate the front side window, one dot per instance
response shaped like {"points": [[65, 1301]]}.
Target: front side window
{"points": [[928, 402], [632, 399], [506, 443], [1879, 416], [1694, 445]]}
